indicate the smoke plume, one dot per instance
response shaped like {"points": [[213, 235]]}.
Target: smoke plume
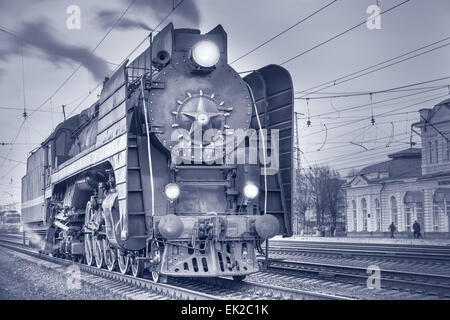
{"points": [[159, 9], [107, 17], [39, 36]]}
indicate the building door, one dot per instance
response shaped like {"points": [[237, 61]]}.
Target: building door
{"points": [[419, 215], [408, 212], [413, 201], [441, 209]]}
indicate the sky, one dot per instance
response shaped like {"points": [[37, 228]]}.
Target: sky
{"points": [[43, 52]]}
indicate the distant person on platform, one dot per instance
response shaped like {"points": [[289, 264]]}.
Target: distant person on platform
{"points": [[416, 228], [392, 228]]}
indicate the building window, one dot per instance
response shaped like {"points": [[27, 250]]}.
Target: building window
{"points": [[436, 150], [378, 214], [447, 151], [364, 213], [413, 204], [437, 208], [430, 152], [409, 212], [355, 224], [441, 208], [394, 211]]}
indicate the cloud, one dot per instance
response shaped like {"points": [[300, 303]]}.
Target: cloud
{"points": [[159, 8], [39, 36]]}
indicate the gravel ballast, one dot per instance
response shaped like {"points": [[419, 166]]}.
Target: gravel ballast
{"points": [[24, 278]]}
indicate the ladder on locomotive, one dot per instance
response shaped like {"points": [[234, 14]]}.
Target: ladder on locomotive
{"points": [[136, 182]]}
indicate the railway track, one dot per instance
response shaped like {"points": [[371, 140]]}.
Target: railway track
{"points": [[429, 284], [349, 264], [411, 252], [176, 288]]}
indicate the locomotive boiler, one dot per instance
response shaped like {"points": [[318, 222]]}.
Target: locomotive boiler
{"points": [[182, 167]]}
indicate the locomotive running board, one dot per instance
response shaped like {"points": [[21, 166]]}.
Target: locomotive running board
{"points": [[273, 91]]}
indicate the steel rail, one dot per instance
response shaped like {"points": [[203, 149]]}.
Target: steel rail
{"points": [[186, 288], [389, 279]]}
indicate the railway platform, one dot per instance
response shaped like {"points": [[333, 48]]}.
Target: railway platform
{"points": [[348, 240]]}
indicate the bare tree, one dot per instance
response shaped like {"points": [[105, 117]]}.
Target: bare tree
{"points": [[324, 194], [301, 199], [335, 198]]}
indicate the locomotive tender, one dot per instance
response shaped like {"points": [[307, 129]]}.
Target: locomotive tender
{"points": [[181, 167]]}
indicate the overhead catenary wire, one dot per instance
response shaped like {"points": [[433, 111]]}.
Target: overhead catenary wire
{"points": [[341, 33], [368, 93], [26, 116], [76, 70], [336, 81], [380, 150], [111, 28], [15, 34], [283, 32], [362, 106], [384, 67], [130, 54], [387, 112], [346, 142]]}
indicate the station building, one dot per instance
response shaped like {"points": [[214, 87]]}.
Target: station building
{"points": [[414, 184]]}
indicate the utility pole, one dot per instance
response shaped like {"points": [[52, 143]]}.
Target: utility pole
{"points": [[296, 168]]}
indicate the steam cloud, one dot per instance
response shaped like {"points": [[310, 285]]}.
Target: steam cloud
{"points": [[38, 35], [108, 17], [159, 8]]}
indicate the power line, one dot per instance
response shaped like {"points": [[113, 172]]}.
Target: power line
{"points": [[387, 112], [335, 82], [365, 153], [18, 108], [284, 31], [380, 68], [348, 95], [345, 123], [66, 80], [347, 143], [92, 51], [340, 34], [12, 160], [362, 106], [131, 53], [434, 127]]}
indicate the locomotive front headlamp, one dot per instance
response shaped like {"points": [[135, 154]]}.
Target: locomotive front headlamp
{"points": [[172, 191], [206, 54], [251, 191]]}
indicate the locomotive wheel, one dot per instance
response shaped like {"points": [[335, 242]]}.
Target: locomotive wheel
{"points": [[98, 252], [88, 249], [156, 276], [137, 266], [88, 241], [110, 256], [123, 262]]}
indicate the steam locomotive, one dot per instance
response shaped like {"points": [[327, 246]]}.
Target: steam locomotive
{"points": [[181, 168]]}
